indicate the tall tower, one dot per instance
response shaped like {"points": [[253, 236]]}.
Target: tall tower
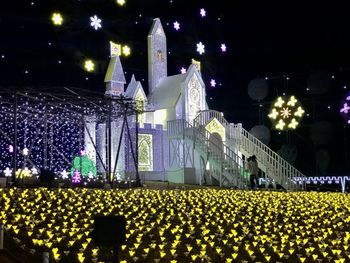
{"points": [[157, 55]]}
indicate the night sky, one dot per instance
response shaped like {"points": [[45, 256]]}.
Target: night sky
{"points": [[302, 50]]}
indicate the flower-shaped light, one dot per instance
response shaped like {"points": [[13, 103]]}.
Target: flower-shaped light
{"points": [[286, 113]]}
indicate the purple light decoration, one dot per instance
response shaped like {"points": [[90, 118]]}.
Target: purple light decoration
{"points": [[213, 83], [10, 148], [176, 25], [202, 12], [76, 177], [183, 70], [345, 108], [82, 152], [223, 48]]}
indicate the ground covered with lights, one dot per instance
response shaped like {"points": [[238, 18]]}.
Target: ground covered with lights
{"points": [[200, 225]]}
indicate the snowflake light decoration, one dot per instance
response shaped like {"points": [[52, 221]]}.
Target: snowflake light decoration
{"points": [[89, 65], [345, 109], [7, 172], [64, 174], [200, 48], [57, 19], [286, 113], [95, 22], [176, 25], [223, 48], [121, 2], [126, 51]]}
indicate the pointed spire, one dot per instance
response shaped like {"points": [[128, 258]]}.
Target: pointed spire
{"points": [[114, 77], [133, 80], [131, 88], [157, 55], [156, 28]]}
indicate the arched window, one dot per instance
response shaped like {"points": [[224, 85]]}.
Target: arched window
{"points": [[145, 152], [160, 55]]}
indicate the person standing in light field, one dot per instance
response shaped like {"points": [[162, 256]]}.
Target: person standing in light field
{"points": [[253, 169]]}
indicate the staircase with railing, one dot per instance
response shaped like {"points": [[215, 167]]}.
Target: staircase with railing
{"points": [[225, 165], [274, 166]]}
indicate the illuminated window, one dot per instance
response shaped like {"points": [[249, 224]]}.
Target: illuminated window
{"points": [[145, 152], [140, 105], [160, 56]]}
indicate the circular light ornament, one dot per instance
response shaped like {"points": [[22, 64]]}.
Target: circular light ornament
{"points": [[286, 113], [345, 108]]}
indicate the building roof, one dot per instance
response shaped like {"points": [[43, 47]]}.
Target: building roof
{"points": [[115, 71], [167, 92], [132, 88], [169, 89]]}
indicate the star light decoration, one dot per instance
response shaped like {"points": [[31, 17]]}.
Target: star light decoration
{"points": [[95, 22], [200, 48], [202, 12], [345, 109], [286, 113], [213, 83], [183, 70]]}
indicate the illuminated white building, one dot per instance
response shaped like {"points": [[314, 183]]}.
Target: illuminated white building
{"points": [[179, 138]]}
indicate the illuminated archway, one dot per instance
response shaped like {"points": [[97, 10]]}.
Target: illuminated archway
{"points": [[214, 126]]}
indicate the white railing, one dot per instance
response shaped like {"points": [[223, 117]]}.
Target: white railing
{"points": [[270, 162], [231, 164], [205, 116], [274, 165]]}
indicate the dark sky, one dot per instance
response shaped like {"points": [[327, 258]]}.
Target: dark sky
{"points": [[273, 39]]}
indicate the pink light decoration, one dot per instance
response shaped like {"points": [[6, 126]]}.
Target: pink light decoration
{"points": [[345, 108], [213, 83], [202, 12], [183, 70], [82, 152], [76, 177]]}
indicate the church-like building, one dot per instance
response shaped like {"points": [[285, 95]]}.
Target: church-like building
{"points": [[179, 138]]}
